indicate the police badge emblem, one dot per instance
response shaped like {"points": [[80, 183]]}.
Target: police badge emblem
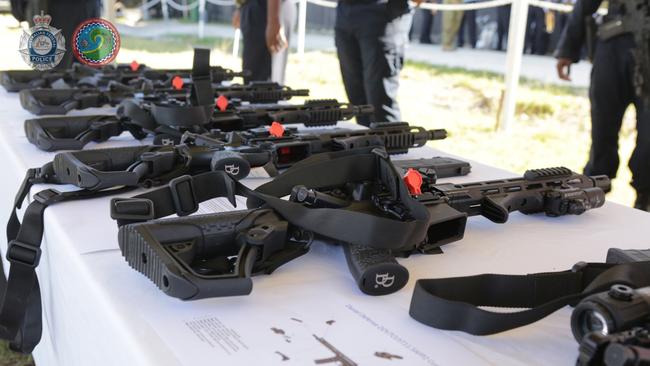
{"points": [[42, 46]]}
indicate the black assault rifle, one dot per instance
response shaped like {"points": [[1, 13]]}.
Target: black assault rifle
{"points": [[215, 255], [61, 101], [260, 148], [131, 166], [354, 198], [553, 191], [321, 112], [74, 132], [85, 76]]}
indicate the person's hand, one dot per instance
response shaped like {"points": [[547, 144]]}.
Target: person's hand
{"points": [[236, 19], [275, 38], [564, 68]]}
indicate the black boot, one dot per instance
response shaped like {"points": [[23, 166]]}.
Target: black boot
{"points": [[642, 201]]}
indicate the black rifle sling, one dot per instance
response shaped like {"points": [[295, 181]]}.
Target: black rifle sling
{"points": [[20, 315], [202, 93], [454, 303], [183, 195], [202, 103], [351, 227]]}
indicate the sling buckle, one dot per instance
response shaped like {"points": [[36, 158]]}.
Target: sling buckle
{"points": [[23, 253], [183, 196], [138, 209], [48, 196]]}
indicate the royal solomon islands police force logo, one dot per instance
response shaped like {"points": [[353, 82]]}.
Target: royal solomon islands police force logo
{"points": [[95, 42], [42, 47]]}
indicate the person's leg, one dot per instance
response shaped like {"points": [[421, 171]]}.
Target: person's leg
{"points": [[471, 28], [457, 19], [539, 41], [503, 23], [256, 57], [348, 50], [383, 58], [279, 60], [640, 161], [450, 24], [609, 99], [461, 30], [412, 29], [427, 24], [529, 36]]}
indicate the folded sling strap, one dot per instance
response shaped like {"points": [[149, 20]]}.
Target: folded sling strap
{"points": [[20, 312], [202, 103], [337, 169], [183, 195], [454, 303]]}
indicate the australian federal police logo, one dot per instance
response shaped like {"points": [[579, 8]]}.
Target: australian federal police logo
{"points": [[95, 42], [42, 46]]}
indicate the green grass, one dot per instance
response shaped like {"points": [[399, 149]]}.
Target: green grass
{"points": [[174, 43], [11, 358], [438, 70]]}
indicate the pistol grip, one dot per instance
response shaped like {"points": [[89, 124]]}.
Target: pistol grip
{"points": [[375, 270]]}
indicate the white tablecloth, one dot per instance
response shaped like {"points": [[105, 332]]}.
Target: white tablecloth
{"points": [[98, 311]]}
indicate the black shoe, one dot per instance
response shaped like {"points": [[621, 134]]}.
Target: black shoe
{"points": [[642, 202]]}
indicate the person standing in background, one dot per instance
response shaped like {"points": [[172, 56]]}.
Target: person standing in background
{"points": [[468, 23], [537, 35], [371, 38], [427, 25], [279, 59], [611, 92], [559, 22], [265, 26], [450, 24], [503, 24]]}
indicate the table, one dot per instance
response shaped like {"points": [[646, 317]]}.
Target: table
{"points": [[98, 311]]}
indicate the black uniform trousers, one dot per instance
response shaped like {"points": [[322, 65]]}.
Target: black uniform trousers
{"points": [[427, 25], [536, 36], [503, 25], [468, 24], [370, 49], [611, 93], [255, 55]]}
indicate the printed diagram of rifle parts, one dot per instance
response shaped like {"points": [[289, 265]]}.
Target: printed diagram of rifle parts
{"points": [[338, 356]]}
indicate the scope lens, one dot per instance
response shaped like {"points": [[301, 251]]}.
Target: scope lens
{"points": [[593, 321]]}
